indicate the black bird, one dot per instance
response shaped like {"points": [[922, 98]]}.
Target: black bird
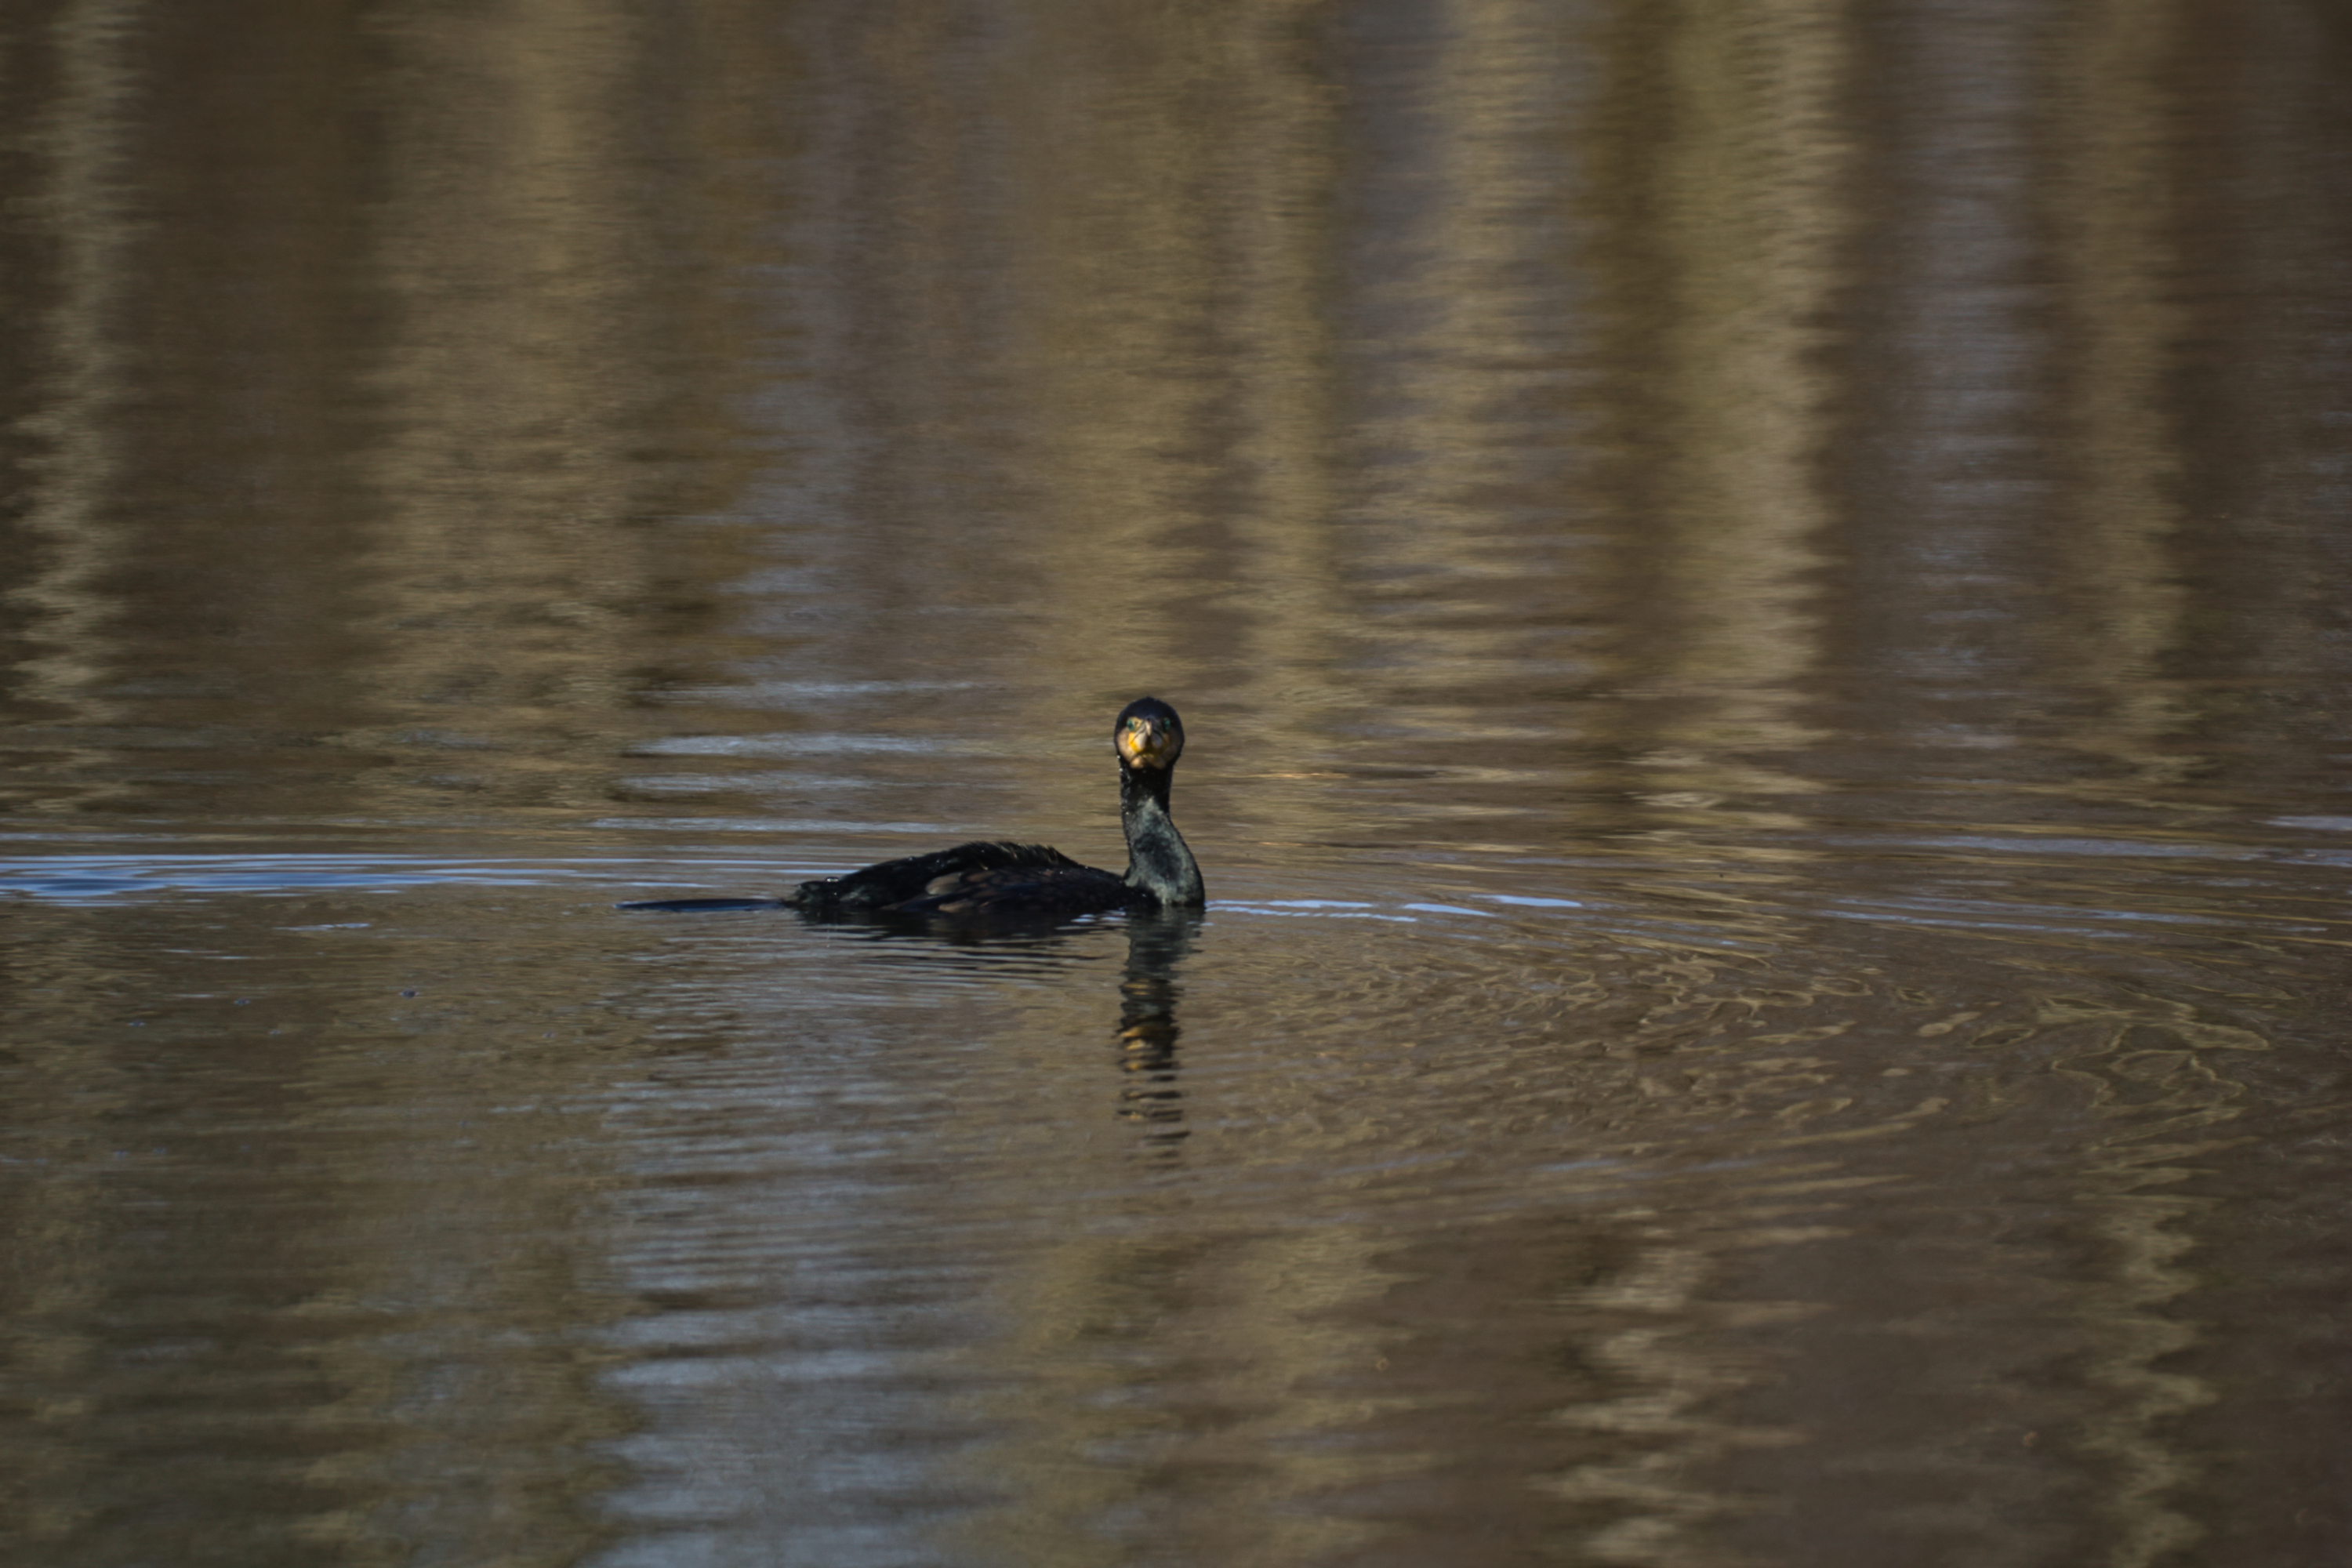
{"points": [[984, 878]]}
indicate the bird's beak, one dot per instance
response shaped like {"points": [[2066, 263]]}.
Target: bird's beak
{"points": [[1144, 743]]}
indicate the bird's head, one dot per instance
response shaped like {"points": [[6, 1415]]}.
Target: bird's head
{"points": [[1147, 735]]}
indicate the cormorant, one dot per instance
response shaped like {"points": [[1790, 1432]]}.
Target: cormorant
{"points": [[987, 878]]}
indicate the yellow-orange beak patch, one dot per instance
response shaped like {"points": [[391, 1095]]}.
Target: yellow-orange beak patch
{"points": [[1143, 744]]}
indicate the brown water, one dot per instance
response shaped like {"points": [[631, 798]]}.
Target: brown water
{"points": [[1760, 595]]}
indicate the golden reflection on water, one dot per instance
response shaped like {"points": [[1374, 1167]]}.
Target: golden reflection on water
{"points": [[391, 522], [87, 130], [2115, 196], [221, 1222], [1174, 1389], [530, 421], [2164, 1076], [1750, 215], [1497, 399]]}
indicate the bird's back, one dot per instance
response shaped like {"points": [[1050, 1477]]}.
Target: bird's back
{"points": [[983, 876]]}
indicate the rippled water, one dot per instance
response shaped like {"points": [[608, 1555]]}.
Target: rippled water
{"points": [[1757, 603], [1620, 1204]]}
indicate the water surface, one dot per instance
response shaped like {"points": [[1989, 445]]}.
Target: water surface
{"points": [[1758, 603]]}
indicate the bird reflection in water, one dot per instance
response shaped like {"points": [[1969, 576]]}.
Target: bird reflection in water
{"points": [[1157, 943]]}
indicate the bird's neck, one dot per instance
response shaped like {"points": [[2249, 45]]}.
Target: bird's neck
{"points": [[1157, 860]]}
